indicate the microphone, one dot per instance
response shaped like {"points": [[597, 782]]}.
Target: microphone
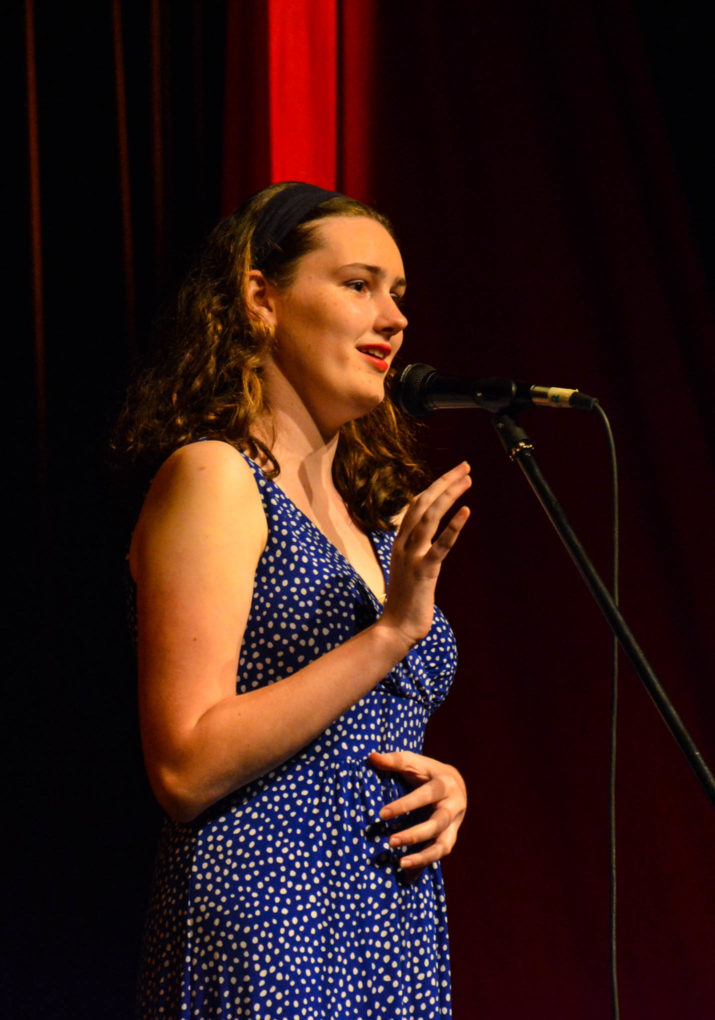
{"points": [[419, 390]]}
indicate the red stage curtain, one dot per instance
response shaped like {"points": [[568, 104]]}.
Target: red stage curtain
{"points": [[302, 74], [299, 95]]}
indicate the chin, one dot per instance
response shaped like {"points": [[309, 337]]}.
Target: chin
{"points": [[367, 401]]}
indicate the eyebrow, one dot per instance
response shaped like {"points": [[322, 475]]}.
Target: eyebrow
{"points": [[375, 271]]}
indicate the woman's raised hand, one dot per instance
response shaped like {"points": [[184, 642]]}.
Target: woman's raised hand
{"points": [[438, 787], [417, 555]]}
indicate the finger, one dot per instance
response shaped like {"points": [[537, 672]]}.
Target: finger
{"points": [[436, 825], [415, 766], [428, 496], [446, 539], [431, 505], [434, 852], [438, 486], [428, 793], [421, 537]]}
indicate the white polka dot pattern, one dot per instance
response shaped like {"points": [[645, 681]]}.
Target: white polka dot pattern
{"points": [[284, 901]]}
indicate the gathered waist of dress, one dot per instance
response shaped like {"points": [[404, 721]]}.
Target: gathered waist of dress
{"points": [[350, 755], [310, 770], [378, 722]]}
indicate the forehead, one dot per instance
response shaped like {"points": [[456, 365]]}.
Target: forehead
{"points": [[344, 240]]}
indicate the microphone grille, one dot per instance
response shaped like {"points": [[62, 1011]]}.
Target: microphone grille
{"points": [[409, 389]]}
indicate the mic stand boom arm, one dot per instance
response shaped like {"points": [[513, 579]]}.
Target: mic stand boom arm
{"points": [[520, 449]]}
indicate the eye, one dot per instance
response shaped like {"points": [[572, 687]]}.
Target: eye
{"points": [[399, 300], [358, 285]]}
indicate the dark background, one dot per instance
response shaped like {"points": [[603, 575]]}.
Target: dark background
{"points": [[549, 171]]}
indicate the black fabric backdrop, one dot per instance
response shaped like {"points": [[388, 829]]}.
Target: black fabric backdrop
{"points": [[545, 170]]}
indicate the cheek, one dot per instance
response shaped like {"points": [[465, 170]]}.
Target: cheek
{"points": [[320, 320], [323, 319]]}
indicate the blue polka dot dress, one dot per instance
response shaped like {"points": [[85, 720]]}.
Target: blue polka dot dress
{"points": [[284, 901]]}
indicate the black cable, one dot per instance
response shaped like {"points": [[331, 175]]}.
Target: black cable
{"points": [[613, 913]]}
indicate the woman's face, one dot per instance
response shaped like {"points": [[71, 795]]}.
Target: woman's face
{"points": [[338, 325]]}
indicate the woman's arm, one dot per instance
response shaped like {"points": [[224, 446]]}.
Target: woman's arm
{"points": [[194, 555]]}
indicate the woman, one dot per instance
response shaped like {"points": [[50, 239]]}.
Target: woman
{"points": [[284, 685]]}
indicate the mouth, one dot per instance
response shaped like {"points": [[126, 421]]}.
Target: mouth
{"points": [[376, 354]]}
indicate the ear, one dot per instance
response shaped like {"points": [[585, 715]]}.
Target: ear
{"points": [[260, 298]]}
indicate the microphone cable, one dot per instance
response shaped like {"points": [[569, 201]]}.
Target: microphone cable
{"points": [[613, 743]]}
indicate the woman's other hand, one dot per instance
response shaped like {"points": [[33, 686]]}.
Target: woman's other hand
{"points": [[440, 788], [417, 555]]}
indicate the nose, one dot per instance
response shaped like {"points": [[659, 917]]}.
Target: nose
{"points": [[391, 319]]}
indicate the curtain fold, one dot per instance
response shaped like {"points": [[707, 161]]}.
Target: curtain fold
{"points": [[300, 91]]}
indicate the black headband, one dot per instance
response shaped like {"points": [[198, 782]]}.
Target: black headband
{"points": [[281, 214]]}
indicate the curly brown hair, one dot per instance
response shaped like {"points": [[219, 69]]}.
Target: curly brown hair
{"points": [[207, 381]]}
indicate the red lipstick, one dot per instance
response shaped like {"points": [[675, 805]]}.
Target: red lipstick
{"points": [[376, 353]]}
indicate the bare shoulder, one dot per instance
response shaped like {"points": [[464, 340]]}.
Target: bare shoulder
{"points": [[202, 492]]}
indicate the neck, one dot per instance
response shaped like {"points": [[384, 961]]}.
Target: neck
{"points": [[304, 451], [300, 439], [299, 446]]}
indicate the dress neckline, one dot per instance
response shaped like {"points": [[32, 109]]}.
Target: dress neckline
{"points": [[331, 545]]}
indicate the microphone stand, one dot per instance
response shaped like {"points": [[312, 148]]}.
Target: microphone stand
{"points": [[520, 449]]}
